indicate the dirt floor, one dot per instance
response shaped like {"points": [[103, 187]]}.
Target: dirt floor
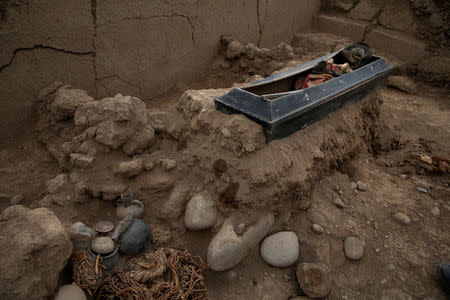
{"points": [[398, 257]]}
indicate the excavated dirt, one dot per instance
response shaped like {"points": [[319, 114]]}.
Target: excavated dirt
{"points": [[91, 151]]}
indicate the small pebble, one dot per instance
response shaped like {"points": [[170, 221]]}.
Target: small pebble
{"points": [[426, 159], [403, 176], [353, 248], [338, 202], [341, 192], [361, 186], [317, 228], [240, 228], [435, 211], [16, 199], [226, 132], [421, 189], [354, 185], [402, 218], [389, 268]]}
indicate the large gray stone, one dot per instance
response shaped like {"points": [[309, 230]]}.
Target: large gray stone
{"points": [[34, 248], [201, 213], [227, 248], [280, 249]]}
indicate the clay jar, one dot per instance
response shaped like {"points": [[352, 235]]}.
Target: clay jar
{"points": [[137, 209], [104, 246], [135, 237], [126, 205]]}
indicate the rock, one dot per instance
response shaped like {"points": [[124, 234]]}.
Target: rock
{"points": [[173, 207], [70, 292], [338, 202], [49, 90], [403, 176], [361, 186], [426, 159], [280, 249], [402, 218], [121, 121], [226, 132], [66, 101], [240, 228], [109, 191], [80, 160], [227, 249], [234, 50], [314, 279], [34, 248], [143, 139], [421, 189], [16, 199], [129, 168], [12, 212], [435, 211], [168, 163], [55, 184], [201, 213], [353, 248], [148, 164], [317, 228], [402, 83], [354, 185], [364, 10]]}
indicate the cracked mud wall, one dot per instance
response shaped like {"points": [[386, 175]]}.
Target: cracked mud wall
{"points": [[141, 48]]}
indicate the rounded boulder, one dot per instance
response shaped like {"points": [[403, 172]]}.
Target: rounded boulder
{"points": [[280, 249], [201, 213]]}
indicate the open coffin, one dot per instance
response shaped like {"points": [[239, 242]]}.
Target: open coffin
{"points": [[281, 109]]}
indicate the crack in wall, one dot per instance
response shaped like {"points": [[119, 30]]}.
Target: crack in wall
{"points": [[187, 18], [259, 23], [124, 80], [94, 48], [39, 46]]}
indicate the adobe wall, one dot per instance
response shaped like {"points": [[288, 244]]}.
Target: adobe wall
{"points": [[136, 47]]}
